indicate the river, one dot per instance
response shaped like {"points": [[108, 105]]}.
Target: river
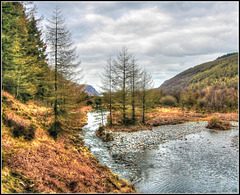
{"points": [[205, 161]]}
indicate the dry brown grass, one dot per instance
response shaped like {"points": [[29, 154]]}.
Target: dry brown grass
{"points": [[43, 165], [218, 124], [166, 116]]}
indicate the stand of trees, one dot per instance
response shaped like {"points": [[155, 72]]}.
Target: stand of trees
{"points": [[125, 86], [214, 98], [28, 71], [211, 99], [24, 62]]}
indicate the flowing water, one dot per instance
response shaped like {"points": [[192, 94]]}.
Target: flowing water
{"points": [[204, 162]]}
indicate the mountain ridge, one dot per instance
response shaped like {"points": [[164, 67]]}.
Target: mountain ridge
{"points": [[222, 71], [90, 90]]}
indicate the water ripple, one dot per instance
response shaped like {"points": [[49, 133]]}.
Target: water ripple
{"points": [[204, 162]]}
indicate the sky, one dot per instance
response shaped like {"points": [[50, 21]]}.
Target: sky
{"points": [[167, 37]]}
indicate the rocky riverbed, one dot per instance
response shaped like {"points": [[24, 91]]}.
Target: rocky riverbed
{"points": [[127, 146], [183, 158]]}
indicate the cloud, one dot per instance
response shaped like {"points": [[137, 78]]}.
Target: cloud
{"points": [[166, 37]]}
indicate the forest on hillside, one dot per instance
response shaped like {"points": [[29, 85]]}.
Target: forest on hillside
{"points": [[211, 86]]}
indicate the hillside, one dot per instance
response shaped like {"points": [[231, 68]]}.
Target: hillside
{"points": [[222, 71], [90, 90], [33, 162]]}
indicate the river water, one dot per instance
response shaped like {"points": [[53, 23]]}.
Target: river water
{"points": [[203, 162]]}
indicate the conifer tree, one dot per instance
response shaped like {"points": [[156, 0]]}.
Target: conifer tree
{"points": [[36, 49], [16, 67], [63, 55], [107, 86], [20, 58], [134, 84], [146, 84], [121, 71]]}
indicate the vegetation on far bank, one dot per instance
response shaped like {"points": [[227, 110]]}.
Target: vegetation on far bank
{"points": [[211, 87], [168, 116]]}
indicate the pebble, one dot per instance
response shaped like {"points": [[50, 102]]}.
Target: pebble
{"points": [[127, 144]]}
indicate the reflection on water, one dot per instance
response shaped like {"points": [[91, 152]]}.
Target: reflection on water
{"points": [[203, 163]]}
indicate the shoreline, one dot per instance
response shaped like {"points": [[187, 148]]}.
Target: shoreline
{"points": [[170, 118]]}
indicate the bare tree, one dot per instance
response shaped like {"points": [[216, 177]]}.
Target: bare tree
{"points": [[134, 84], [63, 54], [146, 84], [107, 85], [122, 75]]}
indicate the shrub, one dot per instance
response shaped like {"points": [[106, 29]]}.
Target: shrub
{"points": [[169, 101], [55, 129], [218, 124], [201, 103], [109, 137], [105, 136], [89, 102]]}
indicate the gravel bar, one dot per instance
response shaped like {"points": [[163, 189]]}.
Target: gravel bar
{"points": [[126, 146]]}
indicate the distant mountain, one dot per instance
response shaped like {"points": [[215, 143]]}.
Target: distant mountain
{"points": [[222, 71], [90, 90]]}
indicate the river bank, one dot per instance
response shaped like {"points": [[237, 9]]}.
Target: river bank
{"points": [[167, 116], [35, 162]]}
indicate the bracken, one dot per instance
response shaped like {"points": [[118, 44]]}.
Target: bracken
{"points": [[218, 124]]}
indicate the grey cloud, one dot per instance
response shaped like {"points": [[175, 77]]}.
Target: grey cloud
{"points": [[166, 37]]}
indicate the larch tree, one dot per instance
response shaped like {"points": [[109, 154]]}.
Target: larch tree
{"points": [[134, 83], [107, 86], [146, 85], [62, 53], [121, 71]]}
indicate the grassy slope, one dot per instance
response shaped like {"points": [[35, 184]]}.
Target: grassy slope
{"points": [[43, 165], [223, 71]]}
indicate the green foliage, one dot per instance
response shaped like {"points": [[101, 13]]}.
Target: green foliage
{"points": [[16, 182], [226, 55], [212, 86], [98, 101], [55, 129], [89, 102], [222, 71], [169, 101], [225, 73], [23, 60]]}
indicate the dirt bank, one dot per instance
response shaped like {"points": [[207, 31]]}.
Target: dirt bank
{"points": [[40, 164]]}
